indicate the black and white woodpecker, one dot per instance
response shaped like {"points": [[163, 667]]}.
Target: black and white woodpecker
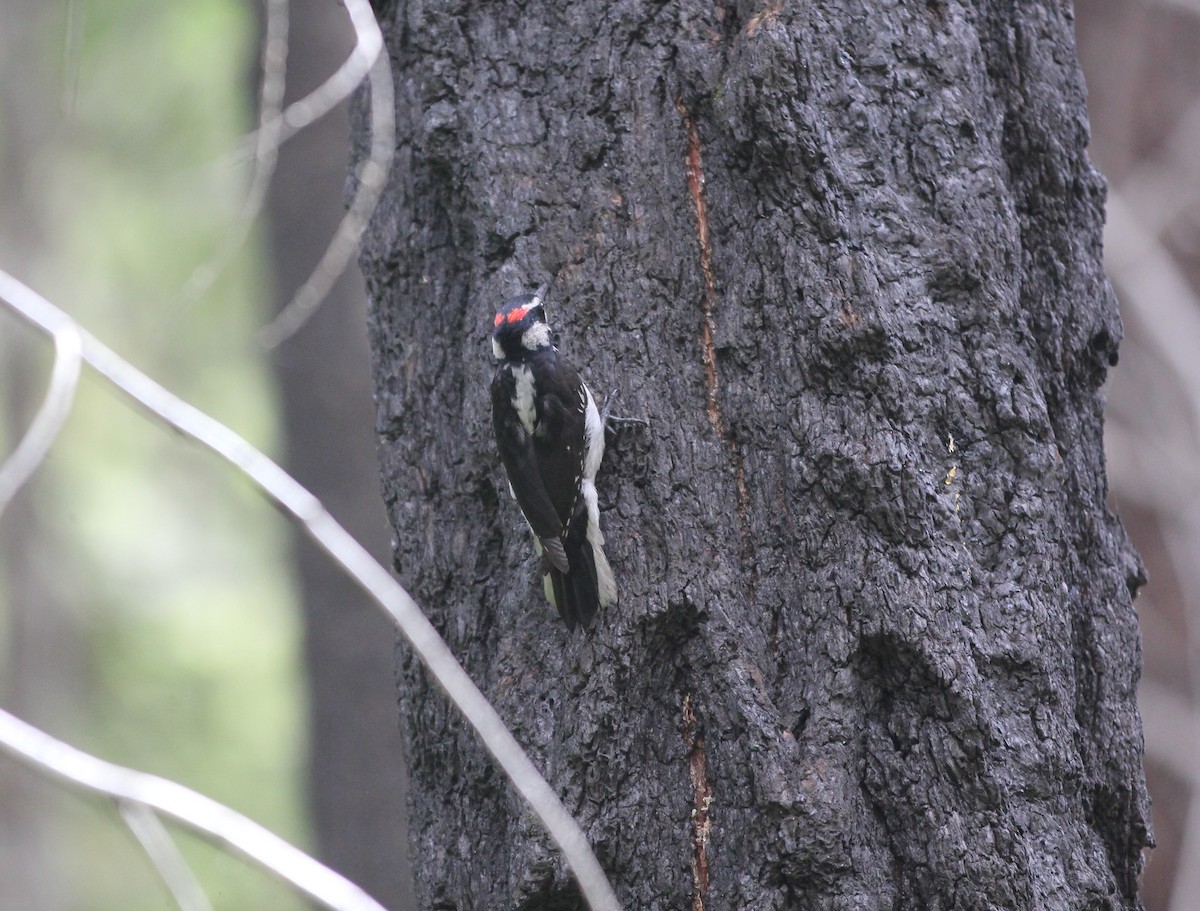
{"points": [[551, 440]]}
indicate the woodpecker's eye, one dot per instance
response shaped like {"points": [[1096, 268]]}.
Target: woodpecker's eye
{"points": [[539, 312]]}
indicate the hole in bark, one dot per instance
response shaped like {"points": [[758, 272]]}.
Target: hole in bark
{"points": [[498, 248], [486, 491], [800, 723], [731, 22]]}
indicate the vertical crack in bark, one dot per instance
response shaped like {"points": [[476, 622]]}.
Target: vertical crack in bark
{"points": [[695, 180], [701, 802]]}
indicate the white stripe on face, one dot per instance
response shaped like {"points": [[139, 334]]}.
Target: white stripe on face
{"points": [[535, 337]]}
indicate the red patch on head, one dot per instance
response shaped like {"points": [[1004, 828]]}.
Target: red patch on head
{"points": [[499, 319], [515, 316]]}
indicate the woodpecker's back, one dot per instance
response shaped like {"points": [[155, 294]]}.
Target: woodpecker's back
{"points": [[551, 441]]}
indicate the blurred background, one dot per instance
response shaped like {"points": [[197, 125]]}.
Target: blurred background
{"points": [[155, 611], [1141, 60]]}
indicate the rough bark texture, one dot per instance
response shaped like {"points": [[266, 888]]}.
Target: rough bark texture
{"points": [[876, 646]]}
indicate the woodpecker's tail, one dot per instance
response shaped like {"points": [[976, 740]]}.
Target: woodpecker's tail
{"points": [[576, 592], [588, 583]]}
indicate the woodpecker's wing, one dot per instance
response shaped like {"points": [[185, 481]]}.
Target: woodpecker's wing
{"points": [[521, 460], [559, 438]]}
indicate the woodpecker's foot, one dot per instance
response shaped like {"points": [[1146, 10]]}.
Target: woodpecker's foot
{"points": [[607, 418]]}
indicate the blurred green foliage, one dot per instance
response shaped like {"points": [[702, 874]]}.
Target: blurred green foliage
{"points": [[174, 572]]}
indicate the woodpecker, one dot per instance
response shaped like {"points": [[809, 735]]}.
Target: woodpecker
{"points": [[551, 441]]}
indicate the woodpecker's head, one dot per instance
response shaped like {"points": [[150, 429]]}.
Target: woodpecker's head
{"points": [[520, 327]]}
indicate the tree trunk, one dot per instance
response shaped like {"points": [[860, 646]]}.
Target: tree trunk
{"points": [[875, 646]]}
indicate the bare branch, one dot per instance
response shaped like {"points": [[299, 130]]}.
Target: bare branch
{"points": [[368, 47], [274, 128], [72, 52], [53, 758], [20, 466], [156, 841], [358, 563], [371, 179], [266, 151], [335, 89]]}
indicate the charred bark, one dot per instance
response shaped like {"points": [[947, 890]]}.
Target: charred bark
{"points": [[875, 646]]}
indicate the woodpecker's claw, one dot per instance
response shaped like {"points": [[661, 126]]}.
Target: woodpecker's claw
{"points": [[607, 417]]}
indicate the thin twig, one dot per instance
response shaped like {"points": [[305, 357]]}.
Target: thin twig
{"points": [[164, 855], [25, 459], [371, 180], [72, 52], [365, 59], [266, 151], [315, 105], [363, 568], [201, 814]]}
